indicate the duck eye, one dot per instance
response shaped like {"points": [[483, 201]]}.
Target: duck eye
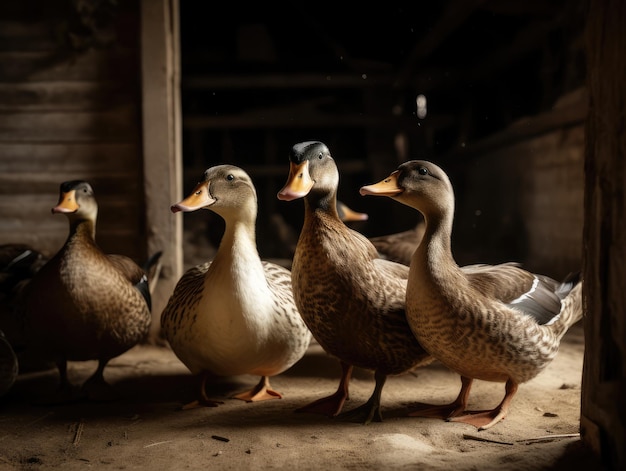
{"points": [[230, 177], [320, 156], [422, 171]]}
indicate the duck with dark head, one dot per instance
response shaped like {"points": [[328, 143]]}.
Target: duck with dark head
{"points": [[352, 300]]}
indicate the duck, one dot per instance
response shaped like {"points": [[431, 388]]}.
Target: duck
{"points": [[498, 323], [399, 246], [234, 314], [83, 304], [8, 365], [287, 236], [352, 300], [18, 264], [349, 215]]}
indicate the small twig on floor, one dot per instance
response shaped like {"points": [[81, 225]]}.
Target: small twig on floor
{"points": [[549, 438], [157, 443], [481, 439], [79, 432]]}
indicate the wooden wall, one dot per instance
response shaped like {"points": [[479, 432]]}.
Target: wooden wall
{"points": [[520, 193], [70, 109], [603, 418]]}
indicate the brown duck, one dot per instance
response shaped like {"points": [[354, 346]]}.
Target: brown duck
{"points": [[495, 323], [352, 301], [84, 304]]}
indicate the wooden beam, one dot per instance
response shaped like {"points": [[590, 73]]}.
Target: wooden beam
{"points": [[560, 117], [455, 14], [162, 142], [296, 120], [282, 81]]}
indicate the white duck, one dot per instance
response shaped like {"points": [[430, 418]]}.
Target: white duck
{"points": [[495, 323], [234, 315]]}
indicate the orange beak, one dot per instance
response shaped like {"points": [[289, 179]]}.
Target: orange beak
{"points": [[199, 198], [67, 203], [299, 182], [387, 187]]}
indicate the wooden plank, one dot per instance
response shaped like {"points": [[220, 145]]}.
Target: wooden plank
{"points": [[80, 126], [30, 35], [91, 65], [526, 128], [63, 96], [89, 158]]}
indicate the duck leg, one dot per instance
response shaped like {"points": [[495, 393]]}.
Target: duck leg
{"points": [[332, 405], [96, 388], [204, 400], [446, 411], [261, 392], [66, 392], [371, 409], [486, 419]]}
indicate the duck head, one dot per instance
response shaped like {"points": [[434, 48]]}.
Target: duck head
{"points": [[419, 184], [312, 171], [223, 189], [77, 201]]}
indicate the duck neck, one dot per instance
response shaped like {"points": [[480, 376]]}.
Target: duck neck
{"points": [[433, 259], [238, 243], [316, 203], [83, 228]]}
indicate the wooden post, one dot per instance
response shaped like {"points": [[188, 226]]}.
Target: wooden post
{"points": [[603, 415], [162, 143]]}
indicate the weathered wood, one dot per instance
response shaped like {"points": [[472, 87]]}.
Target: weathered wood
{"points": [[69, 157], [76, 126], [67, 114], [55, 65], [162, 143], [65, 95], [603, 421]]}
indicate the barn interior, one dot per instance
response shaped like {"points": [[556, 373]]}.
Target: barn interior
{"points": [[140, 97], [492, 91]]}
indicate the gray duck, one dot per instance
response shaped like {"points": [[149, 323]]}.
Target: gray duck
{"points": [[489, 322], [352, 300], [84, 304], [235, 314]]}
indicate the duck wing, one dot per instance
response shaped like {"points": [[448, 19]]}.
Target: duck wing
{"points": [[538, 296], [133, 273]]}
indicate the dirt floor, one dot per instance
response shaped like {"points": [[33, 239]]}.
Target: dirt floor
{"points": [[147, 430]]}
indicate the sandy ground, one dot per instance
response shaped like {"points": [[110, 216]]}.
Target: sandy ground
{"points": [[147, 430]]}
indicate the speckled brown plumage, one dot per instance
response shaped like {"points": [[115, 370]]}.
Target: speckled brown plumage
{"points": [[234, 315], [353, 301], [83, 304], [494, 323]]}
